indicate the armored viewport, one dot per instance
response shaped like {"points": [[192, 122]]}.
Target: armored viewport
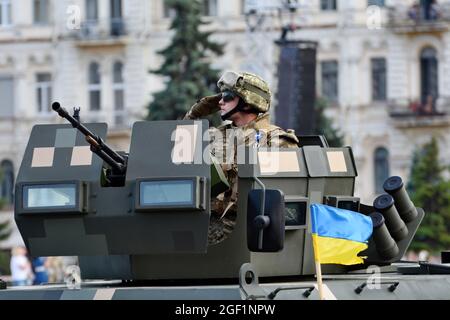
{"points": [[154, 225]]}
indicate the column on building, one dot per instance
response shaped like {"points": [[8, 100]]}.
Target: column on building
{"points": [[141, 13], [444, 68], [104, 14], [399, 89], [69, 74], [135, 77]]}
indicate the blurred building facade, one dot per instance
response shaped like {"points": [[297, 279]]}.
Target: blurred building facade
{"points": [[383, 66]]}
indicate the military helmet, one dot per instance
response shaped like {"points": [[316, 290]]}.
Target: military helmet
{"points": [[252, 89]]}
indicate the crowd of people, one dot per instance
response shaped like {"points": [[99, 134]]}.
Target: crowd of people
{"points": [[26, 270]]}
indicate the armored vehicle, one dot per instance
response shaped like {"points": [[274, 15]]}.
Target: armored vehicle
{"points": [[138, 221]]}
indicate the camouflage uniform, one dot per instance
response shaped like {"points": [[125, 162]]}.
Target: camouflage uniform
{"points": [[223, 207]]}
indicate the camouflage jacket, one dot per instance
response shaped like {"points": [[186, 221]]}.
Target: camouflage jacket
{"points": [[227, 138], [224, 145]]}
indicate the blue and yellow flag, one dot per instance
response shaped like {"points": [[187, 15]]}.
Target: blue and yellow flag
{"points": [[339, 235]]}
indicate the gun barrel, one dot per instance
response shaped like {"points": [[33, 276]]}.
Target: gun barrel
{"points": [[90, 137], [120, 168]]}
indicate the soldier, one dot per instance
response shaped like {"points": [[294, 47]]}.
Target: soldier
{"points": [[244, 101]]}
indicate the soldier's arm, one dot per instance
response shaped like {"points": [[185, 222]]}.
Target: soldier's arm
{"points": [[204, 107]]}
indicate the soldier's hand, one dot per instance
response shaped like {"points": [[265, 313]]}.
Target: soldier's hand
{"points": [[204, 107]]}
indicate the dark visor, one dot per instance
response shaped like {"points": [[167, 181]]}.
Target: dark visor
{"points": [[228, 96]]}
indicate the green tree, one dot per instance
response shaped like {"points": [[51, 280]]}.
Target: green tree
{"points": [[323, 125], [186, 67], [430, 191], [5, 232], [2, 201]]}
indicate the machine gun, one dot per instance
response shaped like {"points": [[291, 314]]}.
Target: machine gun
{"points": [[115, 173]]}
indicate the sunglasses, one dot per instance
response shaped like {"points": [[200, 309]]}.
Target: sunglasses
{"points": [[228, 96]]}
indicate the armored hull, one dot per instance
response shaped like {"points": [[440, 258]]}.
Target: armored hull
{"points": [[388, 285], [144, 216]]}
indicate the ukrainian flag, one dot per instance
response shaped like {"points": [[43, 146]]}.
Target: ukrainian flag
{"points": [[339, 235]]}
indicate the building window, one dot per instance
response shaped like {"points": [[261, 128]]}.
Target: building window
{"points": [[43, 92], [92, 11], [379, 3], [117, 22], [330, 80], [41, 11], [7, 181], [119, 89], [5, 13], [378, 79], [328, 5], [429, 78], [7, 97], [94, 87], [210, 7], [429, 10], [116, 9], [381, 163]]}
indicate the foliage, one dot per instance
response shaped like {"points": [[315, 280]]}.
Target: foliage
{"points": [[186, 67], [323, 125], [430, 191], [5, 232], [4, 262]]}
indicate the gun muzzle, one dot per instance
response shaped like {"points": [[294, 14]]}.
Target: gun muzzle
{"points": [[385, 245], [64, 114], [56, 106], [397, 228], [395, 187]]}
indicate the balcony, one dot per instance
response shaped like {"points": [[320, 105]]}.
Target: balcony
{"points": [[413, 114], [416, 19], [111, 32]]}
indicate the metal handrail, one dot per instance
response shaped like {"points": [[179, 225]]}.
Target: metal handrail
{"points": [[412, 16], [102, 29]]}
